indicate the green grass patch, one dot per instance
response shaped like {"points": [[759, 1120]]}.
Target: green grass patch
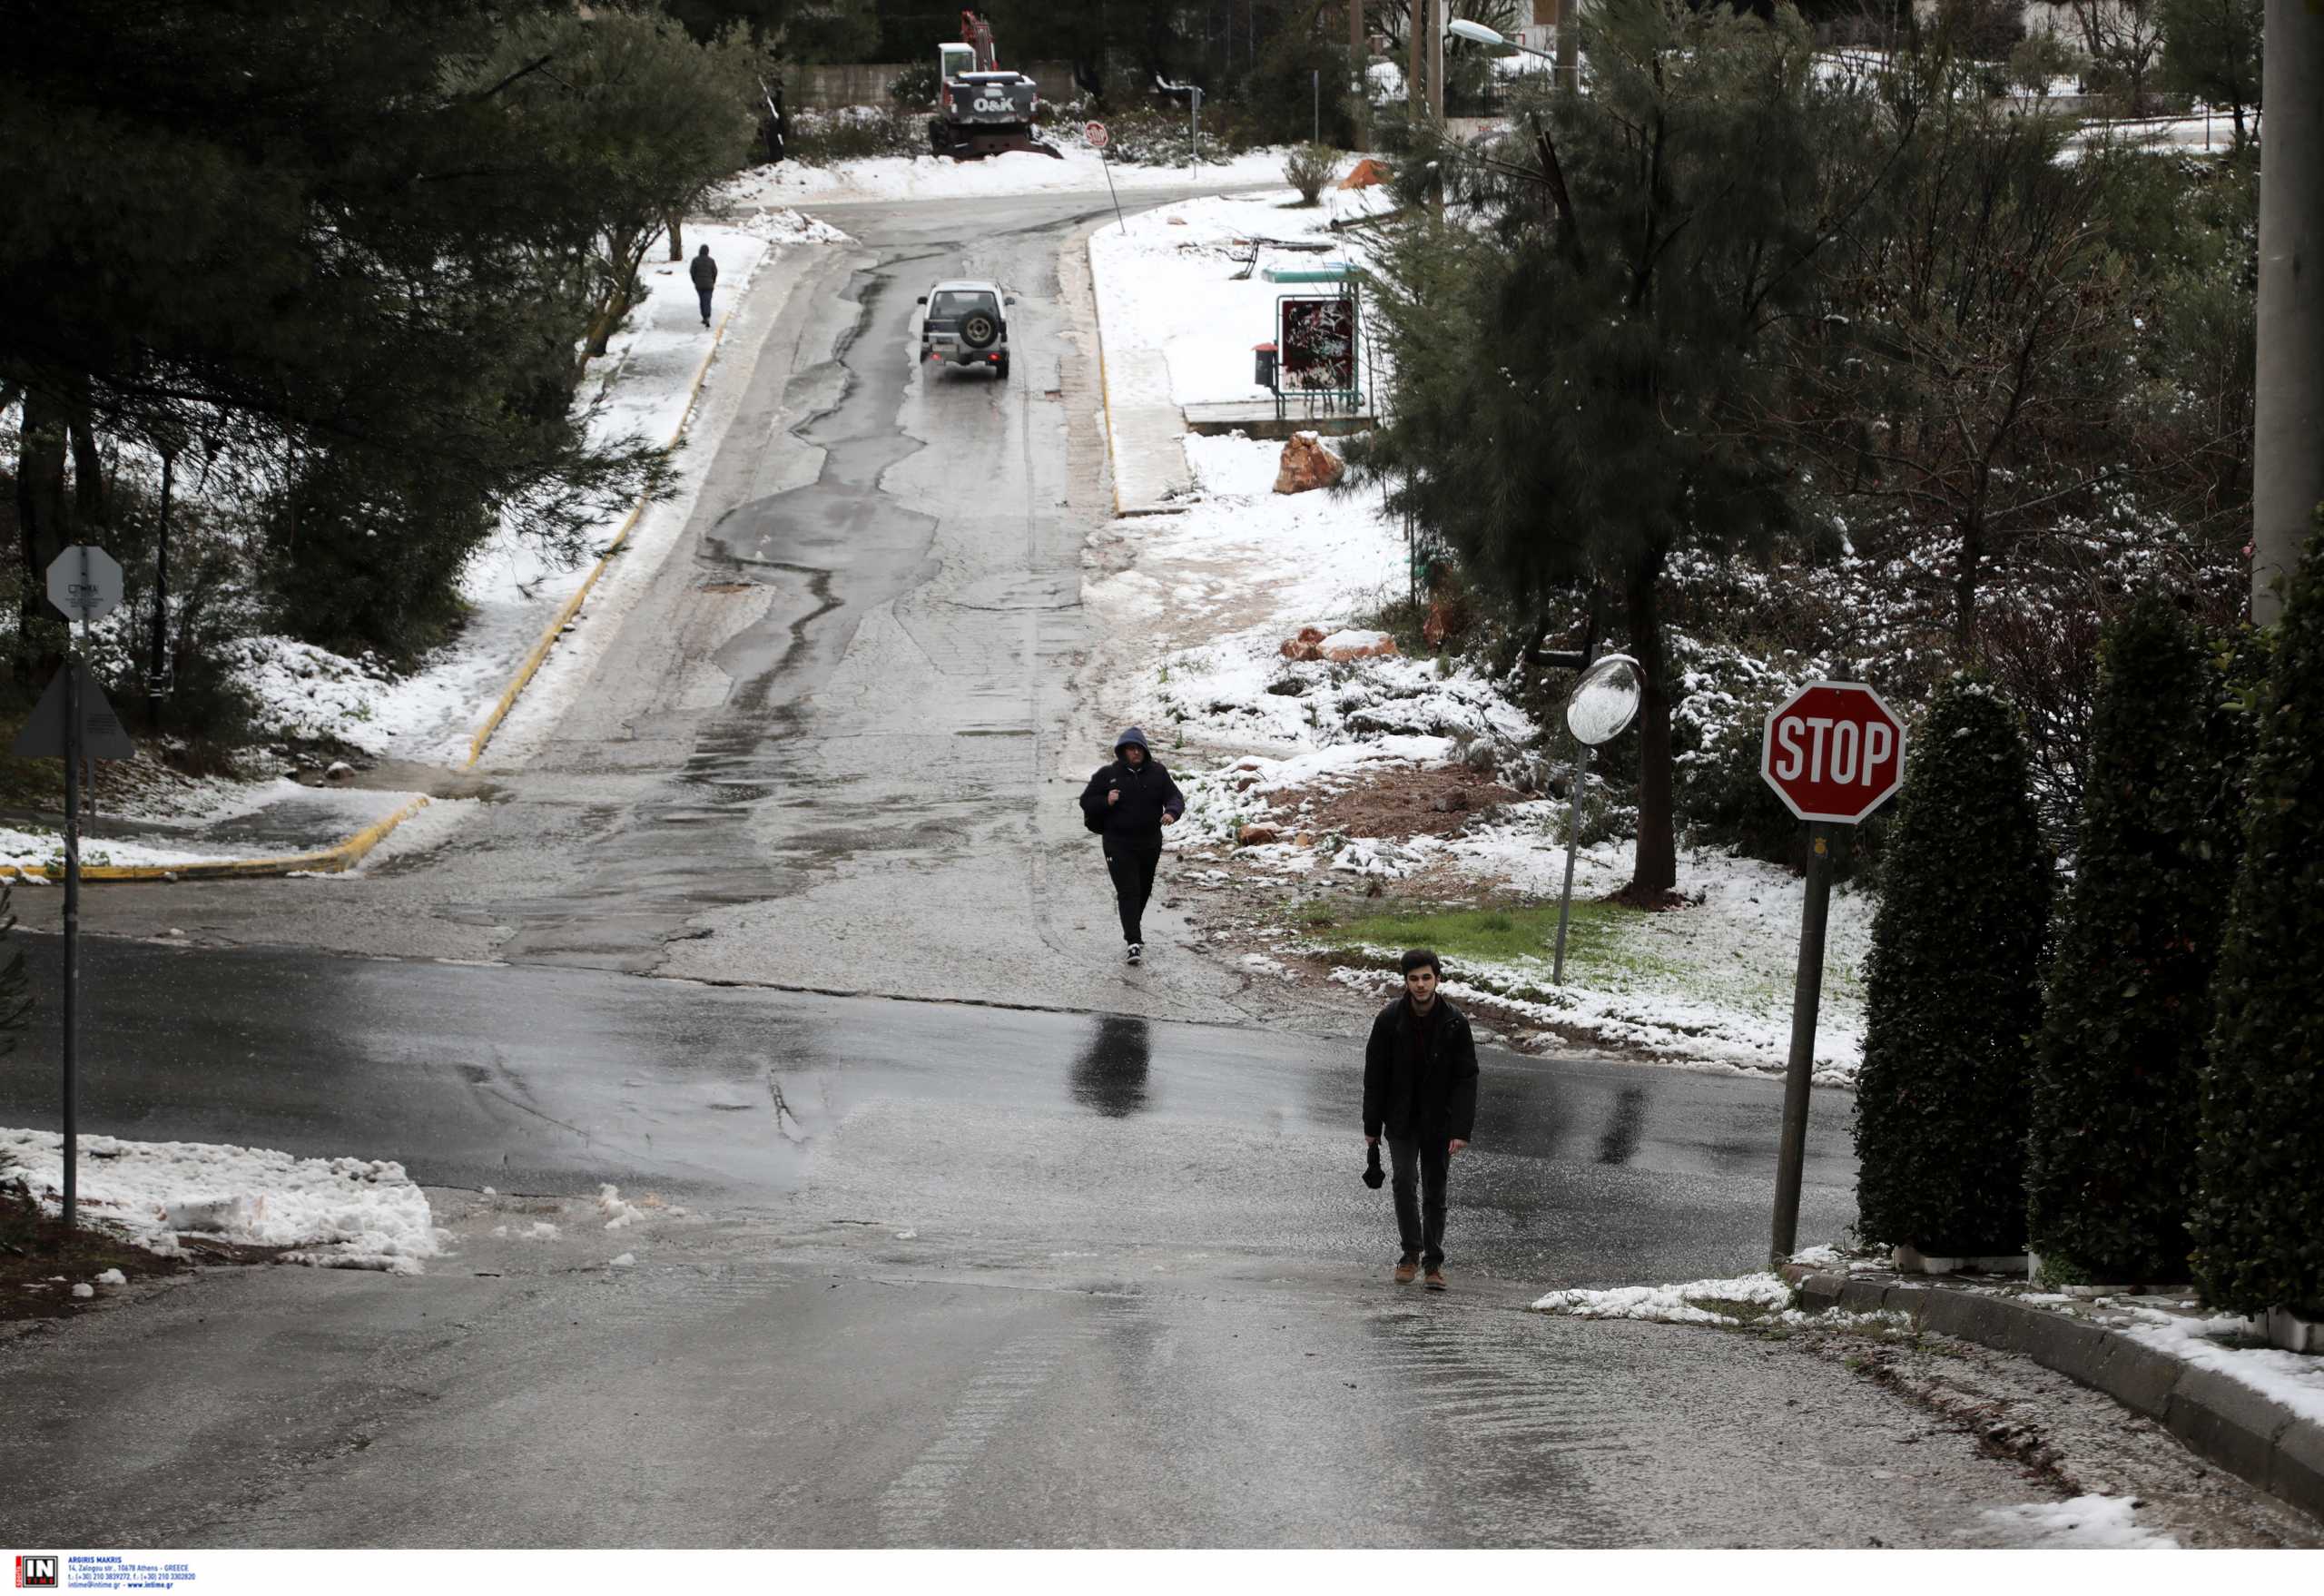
{"points": [[1600, 940]]}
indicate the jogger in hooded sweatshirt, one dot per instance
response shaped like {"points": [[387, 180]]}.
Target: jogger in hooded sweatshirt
{"points": [[1129, 802]]}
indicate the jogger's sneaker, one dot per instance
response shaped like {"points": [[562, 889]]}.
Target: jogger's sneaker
{"points": [[1137, 952], [1407, 1271], [1434, 1280]]}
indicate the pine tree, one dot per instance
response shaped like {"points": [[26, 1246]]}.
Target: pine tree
{"points": [[2260, 1212], [1578, 382], [2111, 1150], [1951, 987]]}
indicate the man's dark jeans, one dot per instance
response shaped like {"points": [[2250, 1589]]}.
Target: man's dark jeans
{"points": [[1420, 1214], [705, 303], [1132, 865]]}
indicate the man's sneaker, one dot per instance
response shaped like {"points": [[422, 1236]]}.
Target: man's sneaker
{"points": [[1137, 953], [1434, 1280], [1407, 1271]]}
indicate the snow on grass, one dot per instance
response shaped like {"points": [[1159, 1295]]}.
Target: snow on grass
{"points": [[336, 1213], [1247, 568], [35, 847], [1708, 985], [1076, 170], [2108, 1521], [1167, 280]]}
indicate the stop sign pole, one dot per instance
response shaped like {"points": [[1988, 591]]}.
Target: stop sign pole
{"points": [[1094, 134], [1833, 752]]}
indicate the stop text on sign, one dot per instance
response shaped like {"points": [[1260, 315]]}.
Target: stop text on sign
{"points": [[1833, 751]]}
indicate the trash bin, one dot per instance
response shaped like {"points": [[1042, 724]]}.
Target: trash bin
{"points": [[1263, 365]]}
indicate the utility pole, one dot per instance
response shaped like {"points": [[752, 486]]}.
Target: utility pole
{"points": [[2287, 464], [1362, 57], [1569, 67], [1417, 29], [1436, 59]]}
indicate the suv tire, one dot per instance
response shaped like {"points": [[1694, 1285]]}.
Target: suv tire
{"points": [[1000, 368], [978, 329]]}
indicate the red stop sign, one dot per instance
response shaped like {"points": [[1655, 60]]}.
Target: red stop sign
{"points": [[1833, 751]]}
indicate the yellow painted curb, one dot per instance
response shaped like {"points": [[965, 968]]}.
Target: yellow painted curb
{"points": [[565, 611], [328, 861], [1105, 389]]}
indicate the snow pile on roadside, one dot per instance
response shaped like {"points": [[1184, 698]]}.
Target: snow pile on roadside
{"points": [[1763, 1298], [1076, 169], [1698, 1302], [2107, 1522], [782, 225], [335, 1213], [618, 1214]]}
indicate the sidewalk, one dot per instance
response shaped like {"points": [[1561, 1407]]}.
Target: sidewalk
{"points": [[1182, 297], [423, 728]]}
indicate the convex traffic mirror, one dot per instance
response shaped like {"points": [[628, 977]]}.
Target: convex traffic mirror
{"points": [[1605, 701]]}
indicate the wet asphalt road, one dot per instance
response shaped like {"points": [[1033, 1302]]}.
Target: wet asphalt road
{"points": [[1098, 1270], [542, 1080]]}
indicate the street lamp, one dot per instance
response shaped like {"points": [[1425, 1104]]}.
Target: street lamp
{"points": [[1476, 32]]}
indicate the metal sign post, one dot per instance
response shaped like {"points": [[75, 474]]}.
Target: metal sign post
{"points": [[72, 941], [1194, 129], [1095, 135], [1833, 752], [85, 582]]}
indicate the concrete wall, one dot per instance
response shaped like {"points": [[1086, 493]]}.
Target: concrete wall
{"points": [[821, 88]]}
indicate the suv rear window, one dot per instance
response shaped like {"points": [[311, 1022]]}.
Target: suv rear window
{"points": [[956, 304]]}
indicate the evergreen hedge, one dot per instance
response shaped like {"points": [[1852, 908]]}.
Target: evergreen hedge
{"points": [[2111, 1145], [1951, 987], [2260, 1211]]}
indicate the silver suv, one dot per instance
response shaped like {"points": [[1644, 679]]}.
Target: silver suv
{"points": [[964, 326]]}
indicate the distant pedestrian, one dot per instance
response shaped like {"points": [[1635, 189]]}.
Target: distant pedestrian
{"points": [[1128, 803], [705, 277], [1419, 1087]]}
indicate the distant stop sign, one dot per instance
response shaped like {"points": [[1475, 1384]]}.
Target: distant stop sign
{"points": [[1833, 751]]}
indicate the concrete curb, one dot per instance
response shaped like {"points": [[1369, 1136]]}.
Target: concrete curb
{"points": [[1115, 452], [2220, 1419]]}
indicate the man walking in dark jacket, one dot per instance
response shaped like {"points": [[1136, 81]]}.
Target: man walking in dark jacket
{"points": [[1420, 1087], [705, 271], [1128, 803]]}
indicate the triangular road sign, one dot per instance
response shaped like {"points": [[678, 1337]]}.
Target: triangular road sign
{"points": [[102, 736]]}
